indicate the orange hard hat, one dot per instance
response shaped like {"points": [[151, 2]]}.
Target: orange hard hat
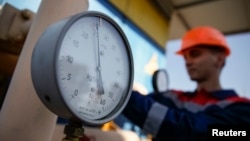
{"points": [[204, 35]]}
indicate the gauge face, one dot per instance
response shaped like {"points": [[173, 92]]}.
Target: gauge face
{"points": [[93, 68], [160, 81]]}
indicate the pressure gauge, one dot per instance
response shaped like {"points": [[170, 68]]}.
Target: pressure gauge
{"points": [[160, 81], [82, 68]]}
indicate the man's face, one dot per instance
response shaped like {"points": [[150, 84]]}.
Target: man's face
{"points": [[201, 63]]}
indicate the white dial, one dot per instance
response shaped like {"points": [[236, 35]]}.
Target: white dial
{"points": [[82, 68], [92, 67]]}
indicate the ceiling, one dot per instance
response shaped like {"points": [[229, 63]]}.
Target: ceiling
{"points": [[230, 16]]}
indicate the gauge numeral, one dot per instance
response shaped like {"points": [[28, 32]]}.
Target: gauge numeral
{"points": [[69, 76], [75, 43], [99, 112], [90, 77], [92, 89], [70, 59], [102, 101], [85, 35], [75, 93], [82, 108], [116, 85], [111, 94]]}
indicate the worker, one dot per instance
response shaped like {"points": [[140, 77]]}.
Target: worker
{"points": [[185, 116]]}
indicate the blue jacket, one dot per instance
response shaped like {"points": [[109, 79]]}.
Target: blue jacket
{"points": [[180, 116]]}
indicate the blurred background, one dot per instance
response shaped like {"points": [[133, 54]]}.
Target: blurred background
{"points": [[154, 29]]}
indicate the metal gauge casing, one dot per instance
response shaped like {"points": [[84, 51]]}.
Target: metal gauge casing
{"points": [[160, 81], [82, 68]]}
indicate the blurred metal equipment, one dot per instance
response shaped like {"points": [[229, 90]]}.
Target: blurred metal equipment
{"points": [[73, 131], [14, 27]]}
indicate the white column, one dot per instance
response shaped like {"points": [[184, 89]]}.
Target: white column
{"points": [[23, 117]]}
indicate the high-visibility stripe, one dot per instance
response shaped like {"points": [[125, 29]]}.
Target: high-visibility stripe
{"points": [[155, 118], [194, 107]]}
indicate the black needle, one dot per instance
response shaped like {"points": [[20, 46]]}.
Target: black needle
{"points": [[99, 75]]}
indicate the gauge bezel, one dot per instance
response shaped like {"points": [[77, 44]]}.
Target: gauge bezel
{"points": [[44, 62]]}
